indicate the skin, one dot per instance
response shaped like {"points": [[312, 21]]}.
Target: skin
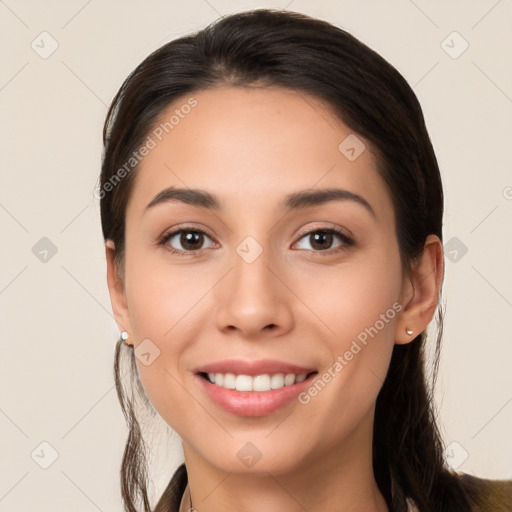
{"points": [[250, 148]]}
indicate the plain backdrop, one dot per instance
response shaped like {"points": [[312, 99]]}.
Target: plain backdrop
{"points": [[62, 430]]}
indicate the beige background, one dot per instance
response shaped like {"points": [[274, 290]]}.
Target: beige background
{"points": [[57, 330]]}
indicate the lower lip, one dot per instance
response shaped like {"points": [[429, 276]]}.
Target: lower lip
{"points": [[253, 403]]}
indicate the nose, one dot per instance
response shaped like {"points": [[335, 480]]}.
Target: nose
{"points": [[253, 299]]}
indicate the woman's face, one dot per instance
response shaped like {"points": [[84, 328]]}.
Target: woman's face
{"points": [[257, 277]]}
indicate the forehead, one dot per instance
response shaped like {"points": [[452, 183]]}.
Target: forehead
{"points": [[253, 146]]}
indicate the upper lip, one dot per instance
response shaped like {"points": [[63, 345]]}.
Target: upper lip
{"points": [[253, 368]]}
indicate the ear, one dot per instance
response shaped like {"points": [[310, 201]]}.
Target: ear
{"points": [[117, 293], [420, 291]]}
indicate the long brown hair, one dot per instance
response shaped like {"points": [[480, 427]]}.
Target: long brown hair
{"points": [[277, 48]]}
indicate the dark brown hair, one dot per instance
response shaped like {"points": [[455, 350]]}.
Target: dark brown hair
{"points": [[265, 48]]}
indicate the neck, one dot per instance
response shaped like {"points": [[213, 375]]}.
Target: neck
{"points": [[339, 479]]}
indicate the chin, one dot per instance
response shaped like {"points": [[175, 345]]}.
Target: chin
{"points": [[255, 458]]}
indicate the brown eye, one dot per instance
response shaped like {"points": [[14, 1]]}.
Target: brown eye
{"points": [[322, 240], [186, 240], [191, 240]]}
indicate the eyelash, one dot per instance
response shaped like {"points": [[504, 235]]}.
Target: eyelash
{"points": [[347, 242]]}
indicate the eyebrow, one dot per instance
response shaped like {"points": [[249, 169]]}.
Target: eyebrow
{"points": [[294, 201]]}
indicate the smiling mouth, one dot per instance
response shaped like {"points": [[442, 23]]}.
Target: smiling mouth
{"points": [[256, 383]]}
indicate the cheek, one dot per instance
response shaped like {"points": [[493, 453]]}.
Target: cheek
{"points": [[158, 309], [352, 297], [168, 307], [162, 297], [359, 304]]}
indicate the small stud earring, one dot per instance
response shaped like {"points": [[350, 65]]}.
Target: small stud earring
{"points": [[408, 331], [124, 335]]}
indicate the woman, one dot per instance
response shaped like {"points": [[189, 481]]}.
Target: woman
{"points": [[272, 211]]}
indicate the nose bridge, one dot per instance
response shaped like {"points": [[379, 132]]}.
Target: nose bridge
{"points": [[252, 275], [252, 297]]}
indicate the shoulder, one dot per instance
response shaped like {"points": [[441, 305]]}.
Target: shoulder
{"points": [[491, 495], [171, 497]]}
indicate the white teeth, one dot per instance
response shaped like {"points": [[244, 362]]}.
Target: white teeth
{"points": [[263, 382], [277, 381], [289, 379], [229, 381], [242, 383]]}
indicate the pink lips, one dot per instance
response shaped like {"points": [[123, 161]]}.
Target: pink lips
{"points": [[253, 368], [252, 403]]}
